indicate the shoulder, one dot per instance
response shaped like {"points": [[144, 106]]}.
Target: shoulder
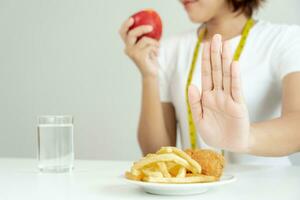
{"points": [[182, 37], [171, 47], [283, 43], [182, 40], [276, 39], [278, 28], [276, 33]]}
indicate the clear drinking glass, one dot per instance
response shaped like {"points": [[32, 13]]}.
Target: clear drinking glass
{"points": [[55, 143]]}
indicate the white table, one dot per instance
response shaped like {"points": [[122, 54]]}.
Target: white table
{"points": [[97, 180]]}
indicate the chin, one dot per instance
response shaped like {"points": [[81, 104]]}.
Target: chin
{"points": [[198, 18], [199, 13]]}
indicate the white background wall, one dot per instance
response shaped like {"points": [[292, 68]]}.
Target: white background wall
{"points": [[65, 57]]}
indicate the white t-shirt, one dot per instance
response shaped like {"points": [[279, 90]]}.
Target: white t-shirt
{"points": [[271, 52]]}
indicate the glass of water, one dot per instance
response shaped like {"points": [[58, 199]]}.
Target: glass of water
{"points": [[55, 143]]}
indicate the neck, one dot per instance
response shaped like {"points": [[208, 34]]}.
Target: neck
{"points": [[229, 26]]}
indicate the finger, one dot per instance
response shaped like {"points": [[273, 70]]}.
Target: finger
{"points": [[206, 77], [154, 52], [226, 62], [125, 27], [236, 89], [146, 41], [152, 55], [133, 35], [195, 102], [216, 62], [151, 50]]}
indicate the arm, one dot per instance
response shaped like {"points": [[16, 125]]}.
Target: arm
{"points": [[281, 136], [157, 125], [221, 115]]}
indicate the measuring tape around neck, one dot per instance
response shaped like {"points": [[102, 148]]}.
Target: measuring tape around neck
{"points": [[237, 54]]}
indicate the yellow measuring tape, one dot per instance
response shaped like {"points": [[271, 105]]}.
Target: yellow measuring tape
{"points": [[237, 54]]}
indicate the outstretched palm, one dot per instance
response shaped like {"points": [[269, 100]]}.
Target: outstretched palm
{"points": [[220, 112]]}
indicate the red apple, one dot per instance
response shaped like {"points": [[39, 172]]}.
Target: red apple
{"points": [[148, 17]]}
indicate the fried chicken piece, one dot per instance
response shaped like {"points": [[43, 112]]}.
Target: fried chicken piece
{"points": [[212, 163]]}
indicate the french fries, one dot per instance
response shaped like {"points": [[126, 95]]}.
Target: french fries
{"points": [[196, 167], [168, 165], [164, 170], [181, 172]]}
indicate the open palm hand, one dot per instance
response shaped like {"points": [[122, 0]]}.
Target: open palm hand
{"points": [[219, 111]]}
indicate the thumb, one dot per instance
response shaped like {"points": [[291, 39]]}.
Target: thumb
{"points": [[195, 102]]}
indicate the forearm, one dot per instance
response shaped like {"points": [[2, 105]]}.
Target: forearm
{"points": [[152, 133], [277, 137]]}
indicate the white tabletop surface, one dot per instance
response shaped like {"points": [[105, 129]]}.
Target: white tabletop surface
{"points": [[91, 180]]}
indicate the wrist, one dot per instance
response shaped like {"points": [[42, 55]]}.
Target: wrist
{"points": [[149, 78]]}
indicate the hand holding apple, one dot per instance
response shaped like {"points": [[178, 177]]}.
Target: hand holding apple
{"points": [[141, 34], [148, 17]]}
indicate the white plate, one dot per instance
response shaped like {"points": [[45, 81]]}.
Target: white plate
{"points": [[181, 189]]}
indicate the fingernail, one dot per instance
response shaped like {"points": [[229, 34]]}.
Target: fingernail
{"points": [[206, 44], [218, 37], [131, 20], [218, 42], [227, 45]]}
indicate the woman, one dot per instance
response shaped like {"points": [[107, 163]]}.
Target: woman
{"points": [[257, 112]]}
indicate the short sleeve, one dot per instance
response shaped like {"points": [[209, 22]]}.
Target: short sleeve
{"points": [[166, 66], [289, 51]]}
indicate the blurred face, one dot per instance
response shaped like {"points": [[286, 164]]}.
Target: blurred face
{"points": [[200, 11]]}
